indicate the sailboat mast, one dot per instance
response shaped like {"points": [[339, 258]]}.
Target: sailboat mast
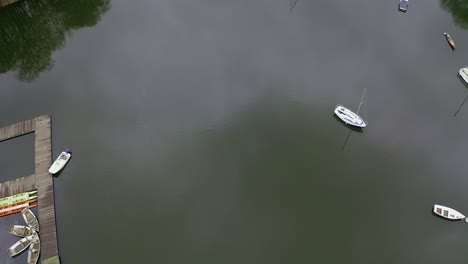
{"points": [[362, 101]]}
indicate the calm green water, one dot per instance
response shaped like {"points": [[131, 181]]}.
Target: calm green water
{"points": [[202, 131]]}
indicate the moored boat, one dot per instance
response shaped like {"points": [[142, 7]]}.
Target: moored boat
{"points": [[20, 246], [30, 219], [61, 161], [21, 197], [21, 231], [34, 249], [450, 40], [463, 73], [349, 117], [16, 210], [18, 205], [447, 212]]}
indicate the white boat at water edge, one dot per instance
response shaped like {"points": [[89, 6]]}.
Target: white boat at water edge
{"points": [[60, 162], [349, 117], [463, 72], [21, 231], [20, 246], [447, 212]]}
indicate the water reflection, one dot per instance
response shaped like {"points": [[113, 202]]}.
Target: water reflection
{"points": [[31, 30], [459, 11], [350, 129]]}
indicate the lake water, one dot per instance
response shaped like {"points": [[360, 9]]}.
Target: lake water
{"points": [[203, 131]]}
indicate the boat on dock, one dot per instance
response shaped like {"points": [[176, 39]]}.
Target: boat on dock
{"points": [[20, 246], [448, 213], [60, 162], [34, 249], [16, 210], [450, 40], [17, 205], [349, 117], [21, 231], [21, 197], [30, 219]]}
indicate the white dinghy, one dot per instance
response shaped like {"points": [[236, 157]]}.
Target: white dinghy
{"points": [[61, 161], [447, 212]]}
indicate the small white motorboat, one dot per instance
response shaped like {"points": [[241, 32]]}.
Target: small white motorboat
{"points": [[448, 213], [463, 72], [349, 117], [61, 161]]}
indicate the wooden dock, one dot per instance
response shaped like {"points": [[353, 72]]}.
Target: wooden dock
{"points": [[40, 180]]}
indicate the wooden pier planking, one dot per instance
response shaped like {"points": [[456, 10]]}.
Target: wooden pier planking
{"points": [[16, 130], [20, 185], [41, 180]]}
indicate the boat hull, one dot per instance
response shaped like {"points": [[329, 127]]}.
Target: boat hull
{"points": [[60, 162], [349, 117], [447, 213], [20, 246], [450, 41], [21, 231], [30, 219], [34, 249], [463, 73]]}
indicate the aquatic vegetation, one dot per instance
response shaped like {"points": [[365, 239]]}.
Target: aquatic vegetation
{"points": [[459, 11], [31, 31]]}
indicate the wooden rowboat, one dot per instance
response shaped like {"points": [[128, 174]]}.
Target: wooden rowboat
{"points": [[450, 40], [20, 246], [34, 249], [30, 219], [21, 231]]}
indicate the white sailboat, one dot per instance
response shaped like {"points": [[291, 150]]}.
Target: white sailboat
{"points": [[349, 117], [447, 212], [61, 161]]}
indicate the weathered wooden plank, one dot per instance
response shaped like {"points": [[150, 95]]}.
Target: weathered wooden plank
{"points": [[16, 130]]}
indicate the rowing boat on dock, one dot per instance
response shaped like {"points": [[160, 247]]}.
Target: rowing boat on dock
{"points": [[17, 210], [21, 231], [30, 219], [20, 246], [34, 249], [34, 199], [21, 197]]}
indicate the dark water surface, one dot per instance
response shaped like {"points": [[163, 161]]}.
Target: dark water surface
{"points": [[202, 131]]}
